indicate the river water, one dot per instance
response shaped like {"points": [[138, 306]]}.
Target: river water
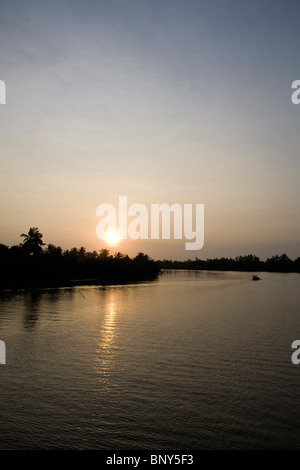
{"points": [[191, 361]]}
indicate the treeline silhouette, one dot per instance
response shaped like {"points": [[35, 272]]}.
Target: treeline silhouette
{"points": [[276, 263], [31, 264]]}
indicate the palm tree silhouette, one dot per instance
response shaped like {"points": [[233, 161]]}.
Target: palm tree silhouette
{"points": [[33, 241]]}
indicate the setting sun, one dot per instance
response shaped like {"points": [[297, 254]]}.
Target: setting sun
{"points": [[112, 238]]}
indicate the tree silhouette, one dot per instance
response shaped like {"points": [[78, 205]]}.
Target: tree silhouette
{"points": [[104, 253], [119, 255], [53, 250], [33, 241], [142, 257]]}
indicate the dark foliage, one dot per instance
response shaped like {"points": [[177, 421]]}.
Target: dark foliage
{"points": [[241, 263], [28, 265]]}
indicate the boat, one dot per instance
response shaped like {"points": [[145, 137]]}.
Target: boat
{"points": [[255, 278]]}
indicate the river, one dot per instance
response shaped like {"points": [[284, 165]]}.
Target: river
{"points": [[194, 360]]}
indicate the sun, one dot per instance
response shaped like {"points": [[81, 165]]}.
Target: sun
{"points": [[112, 238]]}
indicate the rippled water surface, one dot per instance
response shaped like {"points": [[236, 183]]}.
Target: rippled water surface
{"points": [[194, 360]]}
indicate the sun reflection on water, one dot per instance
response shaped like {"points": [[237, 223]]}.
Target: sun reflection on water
{"points": [[106, 343]]}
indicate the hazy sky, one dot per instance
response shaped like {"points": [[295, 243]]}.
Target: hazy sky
{"points": [[165, 101]]}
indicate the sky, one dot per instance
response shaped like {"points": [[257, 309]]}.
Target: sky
{"points": [[169, 101]]}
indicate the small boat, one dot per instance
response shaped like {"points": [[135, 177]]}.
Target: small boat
{"points": [[255, 278]]}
